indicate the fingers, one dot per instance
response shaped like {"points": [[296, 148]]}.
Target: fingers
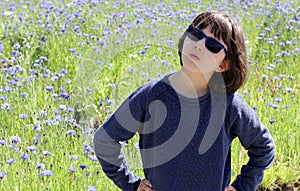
{"points": [[230, 188], [145, 181], [145, 185]]}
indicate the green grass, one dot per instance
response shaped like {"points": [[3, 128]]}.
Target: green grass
{"points": [[112, 66]]}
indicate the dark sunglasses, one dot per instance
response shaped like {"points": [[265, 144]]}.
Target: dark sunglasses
{"points": [[213, 45]]}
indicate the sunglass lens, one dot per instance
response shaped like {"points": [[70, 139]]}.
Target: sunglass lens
{"points": [[213, 45], [194, 34]]}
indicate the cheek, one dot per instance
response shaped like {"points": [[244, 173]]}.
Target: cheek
{"points": [[188, 46]]}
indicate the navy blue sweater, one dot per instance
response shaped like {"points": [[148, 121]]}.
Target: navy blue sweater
{"points": [[184, 142]]}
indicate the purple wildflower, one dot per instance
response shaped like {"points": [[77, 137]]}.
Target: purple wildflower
{"points": [[31, 148], [46, 173], [4, 98], [72, 50], [46, 153], [16, 53], [71, 132], [2, 175], [17, 46], [65, 95], [110, 101], [49, 88], [1, 47], [40, 166], [72, 169], [10, 161], [5, 106], [93, 158], [264, 76], [36, 127], [82, 166], [15, 139], [3, 142], [25, 156], [23, 116], [92, 188], [271, 121], [73, 157], [289, 90]]}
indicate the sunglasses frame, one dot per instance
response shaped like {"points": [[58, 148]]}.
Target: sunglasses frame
{"points": [[199, 35]]}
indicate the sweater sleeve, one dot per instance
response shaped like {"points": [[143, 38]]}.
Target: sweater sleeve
{"points": [[257, 140], [120, 126]]}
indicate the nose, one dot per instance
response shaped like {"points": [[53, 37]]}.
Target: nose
{"points": [[200, 44], [199, 48]]}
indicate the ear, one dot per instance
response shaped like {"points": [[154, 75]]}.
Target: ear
{"points": [[224, 66]]}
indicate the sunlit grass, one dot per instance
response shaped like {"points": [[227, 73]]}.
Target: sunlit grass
{"points": [[77, 63]]}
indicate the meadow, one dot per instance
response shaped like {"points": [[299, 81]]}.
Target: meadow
{"points": [[66, 65]]}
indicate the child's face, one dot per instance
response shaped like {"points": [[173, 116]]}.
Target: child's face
{"points": [[197, 58]]}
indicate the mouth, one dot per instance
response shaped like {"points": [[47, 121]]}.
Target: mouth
{"points": [[194, 57]]}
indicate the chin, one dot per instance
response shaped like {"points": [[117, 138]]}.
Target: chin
{"points": [[190, 66]]}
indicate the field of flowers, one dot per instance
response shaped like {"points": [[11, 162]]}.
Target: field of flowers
{"points": [[66, 65]]}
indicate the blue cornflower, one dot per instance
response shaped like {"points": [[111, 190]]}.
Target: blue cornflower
{"points": [[16, 53], [4, 98], [49, 88], [72, 50], [47, 122], [71, 132], [36, 127], [271, 121], [46, 173], [291, 77], [264, 76], [254, 108], [31, 148], [24, 94], [25, 156], [69, 120], [37, 137], [2, 175], [3, 142], [5, 106], [40, 166], [110, 101], [93, 158], [82, 166], [72, 169], [43, 113], [245, 92], [10, 161], [15, 139], [63, 71], [65, 95], [43, 39], [70, 110], [289, 90], [62, 107], [88, 148], [17, 46], [1, 47], [46, 153], [92, 188], [23, 116], [73, 157]]}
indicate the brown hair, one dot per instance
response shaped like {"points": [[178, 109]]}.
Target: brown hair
{"points": [[225, 28]]}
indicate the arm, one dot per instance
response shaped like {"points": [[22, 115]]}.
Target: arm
{"points": [[255, 138], [121, 126]]}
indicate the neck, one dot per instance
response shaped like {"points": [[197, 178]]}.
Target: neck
{"points": [[190, 84]]}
